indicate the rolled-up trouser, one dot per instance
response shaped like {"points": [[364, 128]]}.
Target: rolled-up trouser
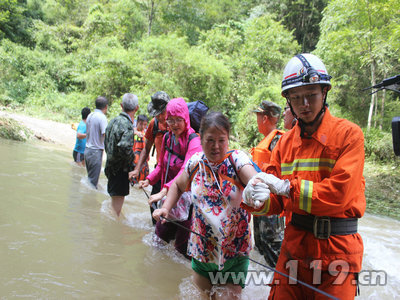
{"points": [[169, 231], [93, 161]]}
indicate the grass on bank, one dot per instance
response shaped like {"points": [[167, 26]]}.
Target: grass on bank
{"points": [[12, 130], [382, 189]]}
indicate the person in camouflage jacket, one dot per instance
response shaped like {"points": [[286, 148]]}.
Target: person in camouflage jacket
{"points": [[118, 145]]}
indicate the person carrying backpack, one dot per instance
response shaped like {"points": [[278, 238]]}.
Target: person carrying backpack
{"points": [[154, 136], [178, 145]]}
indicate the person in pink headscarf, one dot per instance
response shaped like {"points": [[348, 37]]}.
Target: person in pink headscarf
{"points": [[179, 144]]}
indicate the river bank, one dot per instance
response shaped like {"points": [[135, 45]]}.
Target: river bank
{"points": [[382, 180]]}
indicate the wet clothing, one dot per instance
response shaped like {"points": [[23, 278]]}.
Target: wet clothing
{"points": [[80, 144], [170, 231], [158, 137], [238, 265], [118, 184], [93, 162], [96, 124], [175, 164], [217, 215], [118, 145], [268, 230], [78, 157], [325, 172], [341, 287]]}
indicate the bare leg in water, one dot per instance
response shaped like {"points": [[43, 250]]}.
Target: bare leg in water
{"points": [[229, 291], [116, 203]]}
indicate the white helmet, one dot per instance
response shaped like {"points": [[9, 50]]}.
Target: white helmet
{"points": [[304, 69]]}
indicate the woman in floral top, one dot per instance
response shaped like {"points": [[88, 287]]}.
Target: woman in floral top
{"points": [[215, 178]]}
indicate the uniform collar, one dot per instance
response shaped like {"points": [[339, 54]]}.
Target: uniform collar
{"points": [[322, 133], [126, 116]]}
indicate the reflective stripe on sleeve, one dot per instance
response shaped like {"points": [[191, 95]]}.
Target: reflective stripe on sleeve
{"points": [[306, 190], [308, 164], [264, 210]]}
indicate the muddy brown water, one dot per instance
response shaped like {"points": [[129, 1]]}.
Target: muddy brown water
{"points": [[59, 238]]}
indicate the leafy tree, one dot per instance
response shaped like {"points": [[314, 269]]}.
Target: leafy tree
{"points": [[358, 45], [300, 16], [168, 63]]}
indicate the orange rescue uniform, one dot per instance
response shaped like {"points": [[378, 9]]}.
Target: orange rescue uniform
{"points": [[261, 154], [138, 146], [326, 179]]}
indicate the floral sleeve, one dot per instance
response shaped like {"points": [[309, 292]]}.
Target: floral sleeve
{"points": [[240, 159]]}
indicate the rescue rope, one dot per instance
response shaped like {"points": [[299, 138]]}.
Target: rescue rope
{"points": [[252, 260]]}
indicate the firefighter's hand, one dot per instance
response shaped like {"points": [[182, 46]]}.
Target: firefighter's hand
{"points": [[255, 195], [276, 185]]}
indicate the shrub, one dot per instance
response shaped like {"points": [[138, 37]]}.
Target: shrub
{"points": [[378, 145]]}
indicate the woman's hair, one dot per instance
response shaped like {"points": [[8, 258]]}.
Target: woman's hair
{"points": [[214, 119]]}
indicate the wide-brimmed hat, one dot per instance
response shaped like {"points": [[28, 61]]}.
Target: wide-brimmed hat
{"points": [[268, 108], [158, 103]]}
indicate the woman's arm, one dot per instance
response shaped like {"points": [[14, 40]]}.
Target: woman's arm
{"points": [[193, 147], [174, 193]]}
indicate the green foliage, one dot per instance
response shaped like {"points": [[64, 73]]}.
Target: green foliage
{"points": [[378, 145], [301, 17], [59, 55], [382, 190], [266, 49], [359, 50]]}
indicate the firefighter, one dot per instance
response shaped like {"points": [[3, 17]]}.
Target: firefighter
{"points": [[316, 173], [268, 230]]}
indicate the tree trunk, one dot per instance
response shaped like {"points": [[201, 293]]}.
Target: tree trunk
{"points": [[371, 106], [151, 16], [382, 109], [375, 110]]}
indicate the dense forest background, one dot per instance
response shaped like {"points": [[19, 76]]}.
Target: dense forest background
{"points": [[59, 55]]}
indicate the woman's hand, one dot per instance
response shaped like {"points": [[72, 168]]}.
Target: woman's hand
{"points": [[144, 183], [161, 213], [155, 198]]}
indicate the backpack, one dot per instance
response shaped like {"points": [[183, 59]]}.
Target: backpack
{"points": [[157, 130], [197, 110]]}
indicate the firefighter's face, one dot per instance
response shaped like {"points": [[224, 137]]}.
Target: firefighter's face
{"points": [[307, 101]]}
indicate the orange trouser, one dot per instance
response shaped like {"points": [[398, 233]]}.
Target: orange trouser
{"points": [[342, 286]]}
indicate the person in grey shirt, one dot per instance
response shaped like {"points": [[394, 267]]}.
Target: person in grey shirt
{"points": [[96, 124]]}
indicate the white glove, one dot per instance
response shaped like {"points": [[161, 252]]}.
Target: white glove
{"points": [[276, 185], [256, 195]]}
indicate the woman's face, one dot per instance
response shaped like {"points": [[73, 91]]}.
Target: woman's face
{"points": [[177, 125], [215, 144]]}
